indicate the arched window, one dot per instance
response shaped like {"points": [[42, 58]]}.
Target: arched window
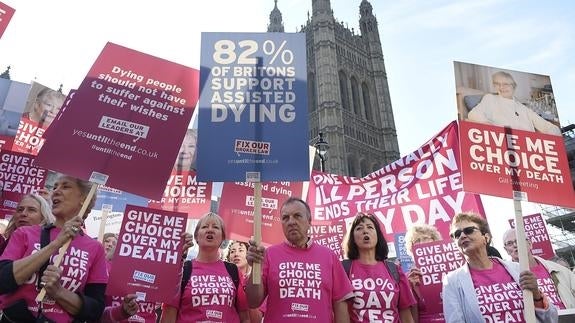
{"points": [[355, 96], [366, 102], [343, 90], [364, 169], [352, 171], [311, 93]]}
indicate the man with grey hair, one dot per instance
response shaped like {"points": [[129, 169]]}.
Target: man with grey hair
{"points": [[555, 280]]}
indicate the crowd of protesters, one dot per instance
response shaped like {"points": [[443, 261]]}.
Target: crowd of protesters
{"points": [[301, 281]]}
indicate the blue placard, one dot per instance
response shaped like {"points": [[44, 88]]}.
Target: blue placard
{"points": [[253, 117], [117, 199], [402, 255]]}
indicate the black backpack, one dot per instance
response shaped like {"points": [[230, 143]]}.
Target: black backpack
{"points": [[230, 267], [390, 266]]}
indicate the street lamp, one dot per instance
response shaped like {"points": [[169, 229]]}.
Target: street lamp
{"points": [[321, 147]]}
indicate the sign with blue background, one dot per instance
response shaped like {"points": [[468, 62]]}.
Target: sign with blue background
{"points": [[253, 117]]}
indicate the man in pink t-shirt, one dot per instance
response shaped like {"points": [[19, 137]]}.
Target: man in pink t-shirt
{"points": [[302, 280], [556, 281]]}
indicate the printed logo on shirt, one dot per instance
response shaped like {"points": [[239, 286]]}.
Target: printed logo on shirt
{"points": [[214, 314], [300, 280], [299, 307], [500, 302], [144, 276]]}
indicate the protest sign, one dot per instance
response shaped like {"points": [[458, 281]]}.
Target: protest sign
{"points": [[18, 177], [6, 13], [401, 252], [42, 106], [148, 256], [434, 260], [511, 140], [421, 187], [12, 102], [183, 193], [253, 118], [237, 208], [536, 232], [115, 124]]}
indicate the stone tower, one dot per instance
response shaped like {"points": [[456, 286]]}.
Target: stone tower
{"points": [[348, 93]]}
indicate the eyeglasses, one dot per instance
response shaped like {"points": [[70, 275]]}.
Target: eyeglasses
{"points": [[467, 230], [510, 243], [497, 84]]}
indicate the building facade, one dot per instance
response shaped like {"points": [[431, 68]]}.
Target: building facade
{"points": [[348, 93]]}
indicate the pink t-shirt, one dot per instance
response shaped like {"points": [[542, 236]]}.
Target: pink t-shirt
{"points": [[547, 286], [210, 295], [499, 297], [302, 284], [83, 263], [378, 297]]}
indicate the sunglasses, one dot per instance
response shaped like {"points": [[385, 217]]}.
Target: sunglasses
{"points": [[467, 230]]}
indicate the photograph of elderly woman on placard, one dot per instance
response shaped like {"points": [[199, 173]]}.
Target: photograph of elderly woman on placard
{"points": [[505, 98]]}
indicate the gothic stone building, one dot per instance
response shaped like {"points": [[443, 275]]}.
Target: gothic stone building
{"points": [[348, 93]]}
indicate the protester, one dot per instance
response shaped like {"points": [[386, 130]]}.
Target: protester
{"points": [[367, 249], [557, 281], [31, 210], [237, 252], [419, 233], [487, 289], [109, 242], [293, 264], [75, 290], [502, 109], [224, 301]]}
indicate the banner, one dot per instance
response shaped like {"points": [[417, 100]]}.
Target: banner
{"points": [[253, 118], [18, 177], [237, 209], [536, 232], [6, 13], [185, 194], [148, 255], [422, 187], [402, 254], [434, 260], [12, 102], [510, 136], [116, 123]]}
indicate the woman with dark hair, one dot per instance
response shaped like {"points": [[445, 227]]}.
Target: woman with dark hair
{"points": [[75, 289], [378, 295]]}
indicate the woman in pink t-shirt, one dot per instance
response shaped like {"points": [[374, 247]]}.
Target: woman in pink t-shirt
{"points": [[237, 252], [32, 209], [210, 295], [378, 295], [75, 289]]}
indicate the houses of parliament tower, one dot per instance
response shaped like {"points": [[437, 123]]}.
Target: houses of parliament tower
{"points": [[348, 93]]}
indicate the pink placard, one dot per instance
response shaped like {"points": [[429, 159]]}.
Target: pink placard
{"points": [[6, 13], [497, 161], [117, 122], [183, 193], [237, 209], [148, 255], [435, 260], [18, 177], [536, 232]]}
